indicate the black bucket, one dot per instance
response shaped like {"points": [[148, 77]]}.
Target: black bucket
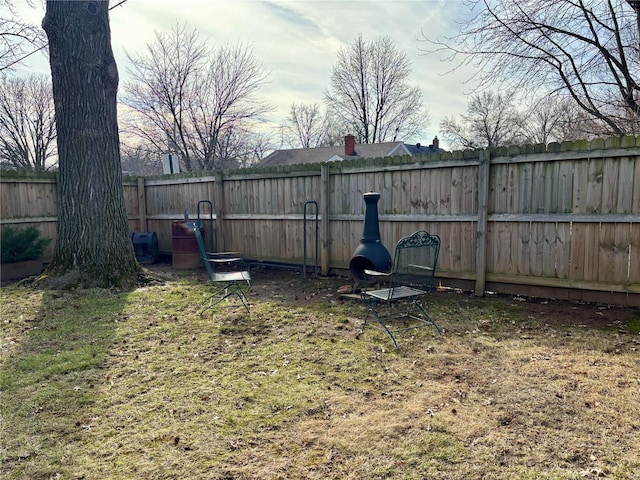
{"points": [[145, 246]]}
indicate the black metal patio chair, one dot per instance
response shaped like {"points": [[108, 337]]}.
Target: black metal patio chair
{"points": [[412, 275], [227, 273]]}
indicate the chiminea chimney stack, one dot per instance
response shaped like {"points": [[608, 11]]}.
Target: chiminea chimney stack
{"points": [[436, 143], [349, 145]]}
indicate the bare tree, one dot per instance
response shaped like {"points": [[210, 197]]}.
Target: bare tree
{"points": [[556, 119], [18, 39], [543, 121], [27, 123], [240, 147], [492, 120], [93, 246], [586, 50], [189, 98], [261, 144], [369, 90], [308, 126], [576, 124], [138, 160], [305, 124]]}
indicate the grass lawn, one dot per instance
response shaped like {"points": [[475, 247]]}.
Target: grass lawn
{"points": [[105, 385]]}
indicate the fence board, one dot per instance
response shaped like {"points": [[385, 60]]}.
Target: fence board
{"points": [[498, 188], [634, 255], [470, 190], [635, 187], [513, 249], [446, 189], [467, 247], [607, 253], [433, 193], [563, 246], [536, 257], [513, 191], [405, 191], [416, 193], [345, 189], [580, 184], [591, 258], [524, 257], [552, 190], [455, 247], [456, 190], [594, 186], [549, 250], [624, 199], [610, 185], [131, 201], [565, 186], [538, 188], [525, 180]]}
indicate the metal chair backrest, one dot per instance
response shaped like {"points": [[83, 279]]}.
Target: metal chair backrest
{"points": [[415, 259], [203, 252]]}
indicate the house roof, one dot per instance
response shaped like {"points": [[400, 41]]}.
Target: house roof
{"points": [[337, 153]]}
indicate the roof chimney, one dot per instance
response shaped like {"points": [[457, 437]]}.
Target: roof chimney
{"points": [[349, 145], [436, 143]]}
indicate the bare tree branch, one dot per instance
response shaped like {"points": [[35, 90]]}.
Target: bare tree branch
{"points": [[18, 40], [586, 50]]}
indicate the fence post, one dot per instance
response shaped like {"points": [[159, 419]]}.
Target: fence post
{"points": [[218, 208], [324, 222], [483, 206], [142, 206]]}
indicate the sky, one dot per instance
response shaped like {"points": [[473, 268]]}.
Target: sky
{"points": [[296, 41]]}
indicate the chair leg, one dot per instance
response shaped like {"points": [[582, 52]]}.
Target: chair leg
{"points": [[416, 311], [243, 298], [371, 304], [427, 318], [229, 290]]}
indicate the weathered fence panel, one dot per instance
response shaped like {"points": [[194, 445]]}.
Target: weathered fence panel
{"points": [[265, 215], [30, 201], [565, 219]]}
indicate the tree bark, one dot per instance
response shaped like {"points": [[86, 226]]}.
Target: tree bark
{"points": [[93, 246]]}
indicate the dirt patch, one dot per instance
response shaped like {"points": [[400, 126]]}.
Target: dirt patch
{"points": [[287, 286], [559, 312]]}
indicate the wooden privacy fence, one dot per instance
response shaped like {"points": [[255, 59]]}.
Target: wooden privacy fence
{"points": [[561, 221]]}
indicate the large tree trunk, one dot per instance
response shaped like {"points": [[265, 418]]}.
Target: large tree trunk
{"points": [[93, 247]]}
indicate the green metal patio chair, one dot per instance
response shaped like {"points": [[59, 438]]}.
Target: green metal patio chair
{"points": [[227, 274], [412, 276]]}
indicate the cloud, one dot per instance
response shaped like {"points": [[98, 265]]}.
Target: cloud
{"points": [[282, 13]]}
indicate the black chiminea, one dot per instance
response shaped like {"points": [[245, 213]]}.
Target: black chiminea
{"points": [[370, 254]]}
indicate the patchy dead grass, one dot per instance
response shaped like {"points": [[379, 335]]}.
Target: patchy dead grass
{"points": [[97, 384]]}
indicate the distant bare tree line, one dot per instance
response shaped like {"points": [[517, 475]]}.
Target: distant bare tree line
{"points": [[498, 119]]}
